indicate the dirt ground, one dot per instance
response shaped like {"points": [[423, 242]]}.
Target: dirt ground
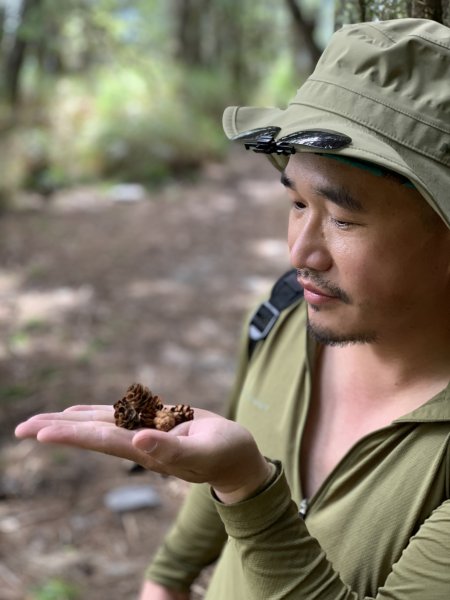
{"points": [[95, 294]]}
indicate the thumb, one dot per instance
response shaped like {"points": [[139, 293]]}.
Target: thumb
{"points": [[161, 446]]}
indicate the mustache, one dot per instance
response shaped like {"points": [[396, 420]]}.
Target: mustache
{"points": [[323, 284]]}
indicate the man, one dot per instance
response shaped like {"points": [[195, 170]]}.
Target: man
{"points": [[348, 397]]}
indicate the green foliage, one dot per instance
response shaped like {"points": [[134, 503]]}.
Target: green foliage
{"points": [[129, 90], [55, 589], [353, 11], [60, 456], [36, 326], [154, 128], [12, 393], [124, 125], [279, 84]]}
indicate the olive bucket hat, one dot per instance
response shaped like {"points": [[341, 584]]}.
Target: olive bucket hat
{"points": [[380, 93]]}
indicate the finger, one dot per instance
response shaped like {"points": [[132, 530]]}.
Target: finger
{"points": [[104, 438], [84, 415], [163, 453], [175, 455], [87, 407], [33, 426], [176, 447], [30, 427], [91, 436], [164, 447]]}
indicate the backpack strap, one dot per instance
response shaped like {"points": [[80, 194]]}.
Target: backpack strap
{"points": [[284, 293]]}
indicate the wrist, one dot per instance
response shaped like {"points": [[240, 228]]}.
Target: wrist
{"points": [[155, 591], [260, 479]]}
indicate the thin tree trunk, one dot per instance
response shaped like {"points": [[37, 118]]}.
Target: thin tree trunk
{"points": [[446, 12], [16, 58], [189, 15], [13, 69], [305, 31], [428, 9], [2, 24], [362, 10]]}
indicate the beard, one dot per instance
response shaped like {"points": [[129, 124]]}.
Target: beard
{"points": [[328, 337]]}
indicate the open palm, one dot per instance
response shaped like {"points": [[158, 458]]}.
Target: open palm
{"points": [[209, 448]]}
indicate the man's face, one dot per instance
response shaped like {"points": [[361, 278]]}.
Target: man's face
{"points": [[372, 256]]}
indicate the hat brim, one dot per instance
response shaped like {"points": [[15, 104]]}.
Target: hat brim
{"points": [[366, 144]]}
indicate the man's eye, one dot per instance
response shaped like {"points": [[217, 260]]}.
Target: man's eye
{"points": [[342, 224], [298, 205]]}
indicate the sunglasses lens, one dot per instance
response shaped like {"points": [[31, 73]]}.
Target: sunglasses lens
{"points": [[255, 134], [262, 140], [318, 138]]}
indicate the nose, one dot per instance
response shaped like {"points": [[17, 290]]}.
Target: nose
{"points": [[307, 244]]}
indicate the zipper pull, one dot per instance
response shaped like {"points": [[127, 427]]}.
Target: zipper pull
{"points": [[303, 508]]}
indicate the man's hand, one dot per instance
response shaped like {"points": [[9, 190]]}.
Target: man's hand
{"points": [[154, 591], [208, 449]]}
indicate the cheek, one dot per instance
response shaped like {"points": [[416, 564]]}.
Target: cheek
{"points": [[292, 230], [380, 273], [290, 235], [367, 270]]}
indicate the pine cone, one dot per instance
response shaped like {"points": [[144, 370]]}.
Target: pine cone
{"points": [[137, 408], [141, 408], [125, 415], [182, 413], [165, 420], [142, 398]]}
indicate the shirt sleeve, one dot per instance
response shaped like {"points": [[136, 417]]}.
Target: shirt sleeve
{"points": [[282, 561], [194, 541]]}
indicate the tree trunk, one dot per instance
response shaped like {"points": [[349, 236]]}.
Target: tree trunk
{"points": [[2, 24], [13, 69], [188, 15], [304, 30], [362, 10], [16, 57], [446, 12], [428, 9]]}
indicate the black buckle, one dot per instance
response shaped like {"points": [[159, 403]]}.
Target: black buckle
{"points": [[262, 140], [262, 321]]}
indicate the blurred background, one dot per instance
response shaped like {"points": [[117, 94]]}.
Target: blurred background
{"points": [[133, 240], [133, 91]]}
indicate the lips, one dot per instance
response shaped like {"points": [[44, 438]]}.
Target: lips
{"points": [[315, 296], [314, 290]]}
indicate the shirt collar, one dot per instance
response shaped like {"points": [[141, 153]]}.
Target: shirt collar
{"points": [[436, 409]]}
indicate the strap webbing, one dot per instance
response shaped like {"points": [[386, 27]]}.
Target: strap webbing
{"points": [[285, 292]]}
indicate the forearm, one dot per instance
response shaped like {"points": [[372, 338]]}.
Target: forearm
{"points": [[279, 558], [194, 541]]}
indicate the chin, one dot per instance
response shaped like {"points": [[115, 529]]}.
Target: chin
{"points": [[333, 337]]}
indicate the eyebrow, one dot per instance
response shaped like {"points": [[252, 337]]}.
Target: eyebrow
{"points": [[286, 181], [336, 194]]}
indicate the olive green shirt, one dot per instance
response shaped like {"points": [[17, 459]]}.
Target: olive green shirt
{"points": [[378, 527]]}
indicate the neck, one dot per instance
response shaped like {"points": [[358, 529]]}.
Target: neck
{"points": [[413, 366]]}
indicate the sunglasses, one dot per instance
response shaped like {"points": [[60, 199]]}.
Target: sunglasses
{"points": [[262, 140]]}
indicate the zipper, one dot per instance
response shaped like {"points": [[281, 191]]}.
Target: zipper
{"points": [[306, 503], [303, 507]]}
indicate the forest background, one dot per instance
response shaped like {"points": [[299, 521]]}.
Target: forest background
{"points": [[132, 241], [133, 90]]}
